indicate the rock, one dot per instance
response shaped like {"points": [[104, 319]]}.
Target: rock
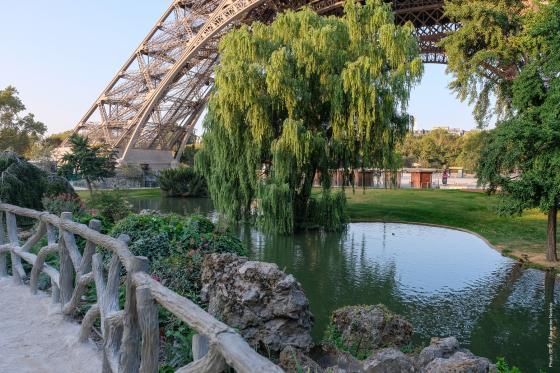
{"points": [[445, 355], [332, 360], [267, 306], [363, 329], [459, 362], [150, 212], [438, 348], [389, 360], [294, 361]]}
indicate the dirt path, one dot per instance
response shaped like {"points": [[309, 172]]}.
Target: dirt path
{"points": [[34, 337]]}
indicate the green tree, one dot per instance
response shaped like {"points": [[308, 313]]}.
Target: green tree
{"points": [[521, 157], [471, 147], [43, 150], [17, 132], [182, 181], [89, 162], [486, 53], [305, 94], [409, 149], [437, 148]]}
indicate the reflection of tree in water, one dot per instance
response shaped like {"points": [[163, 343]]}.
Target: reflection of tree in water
{"points": [[510, 312], [331, 267], [518, 324], [491, 315]]}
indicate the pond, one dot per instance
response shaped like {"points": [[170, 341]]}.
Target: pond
{"points": [[446, 282]]}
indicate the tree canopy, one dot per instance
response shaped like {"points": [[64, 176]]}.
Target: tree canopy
{"points": [[18, 132], [521, 156], [86, 161], [486, 53], [305, 95], [439, 148]]}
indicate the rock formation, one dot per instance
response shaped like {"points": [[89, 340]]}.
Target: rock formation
{"points": [[268, 307], [362, 329], [271, 312]]}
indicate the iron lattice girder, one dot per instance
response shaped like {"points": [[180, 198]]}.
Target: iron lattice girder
{"points": [[159, 94]]}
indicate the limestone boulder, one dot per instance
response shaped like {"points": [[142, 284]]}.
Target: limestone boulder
{"points": [[332, 360], [445, 355], [266, 305], [293, 360], [438, 348], [389, 360], [363, 329], [460, 362]]}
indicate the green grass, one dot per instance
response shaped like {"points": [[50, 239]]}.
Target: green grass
{"points": [[131, 193], [520, 236], [474, 211]]}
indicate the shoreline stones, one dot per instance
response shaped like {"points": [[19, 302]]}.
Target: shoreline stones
{"points": [[445, 355], [271, 311]]}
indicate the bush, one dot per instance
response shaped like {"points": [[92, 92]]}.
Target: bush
{"points": [[176, 246], [25, 185], [64, 202], [182, 182], [56, 185], [111, 206], [503, 367]]}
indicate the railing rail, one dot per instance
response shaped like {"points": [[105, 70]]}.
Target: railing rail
{"points": [[130, 335]]}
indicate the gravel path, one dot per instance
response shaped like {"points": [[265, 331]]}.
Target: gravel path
{"points": [[34, 337]]}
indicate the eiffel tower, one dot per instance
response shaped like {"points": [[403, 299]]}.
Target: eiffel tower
{"points": [[148, 111]]}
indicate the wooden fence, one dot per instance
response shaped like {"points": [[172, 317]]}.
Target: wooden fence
{"points": [[131, 335]]}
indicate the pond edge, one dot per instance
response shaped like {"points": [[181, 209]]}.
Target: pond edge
{"points": [[504, 252]]}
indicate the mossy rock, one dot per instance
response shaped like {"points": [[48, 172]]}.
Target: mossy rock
{"points": [[362, 329]]}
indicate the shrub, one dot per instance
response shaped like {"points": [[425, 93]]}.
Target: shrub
{"points": [[64, 202], [111, 206], [503, 367], [176, 246], [25, 185], [182, 182], [56, 185]]}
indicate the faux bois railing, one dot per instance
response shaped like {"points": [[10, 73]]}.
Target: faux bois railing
{"points": [[131, 335]]}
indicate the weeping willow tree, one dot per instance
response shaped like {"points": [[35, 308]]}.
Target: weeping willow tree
{"points": [[298, 98]]}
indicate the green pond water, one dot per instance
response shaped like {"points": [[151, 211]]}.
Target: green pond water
{"points": [[444, 281]]}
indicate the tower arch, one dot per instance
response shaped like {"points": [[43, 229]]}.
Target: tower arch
{"points": [[148, 111]]}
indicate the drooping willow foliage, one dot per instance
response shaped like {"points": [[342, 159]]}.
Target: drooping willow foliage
{"points": [[302, 97]]}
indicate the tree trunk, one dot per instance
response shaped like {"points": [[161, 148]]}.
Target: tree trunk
{"points": [[551, 234], [90, 188]]}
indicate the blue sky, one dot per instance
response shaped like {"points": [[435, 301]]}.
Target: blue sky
{"points": [[60, 54]]}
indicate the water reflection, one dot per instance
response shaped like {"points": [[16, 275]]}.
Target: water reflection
{"points": [[446, 282]]}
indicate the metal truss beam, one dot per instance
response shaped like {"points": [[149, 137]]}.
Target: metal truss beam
{"points": [[156, 98]]}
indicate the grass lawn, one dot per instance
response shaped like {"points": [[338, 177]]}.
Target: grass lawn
{"points": [[132, 193], [521, 237]]}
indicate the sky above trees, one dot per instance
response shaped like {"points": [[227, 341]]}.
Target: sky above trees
{"points": [[61, 54]]}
